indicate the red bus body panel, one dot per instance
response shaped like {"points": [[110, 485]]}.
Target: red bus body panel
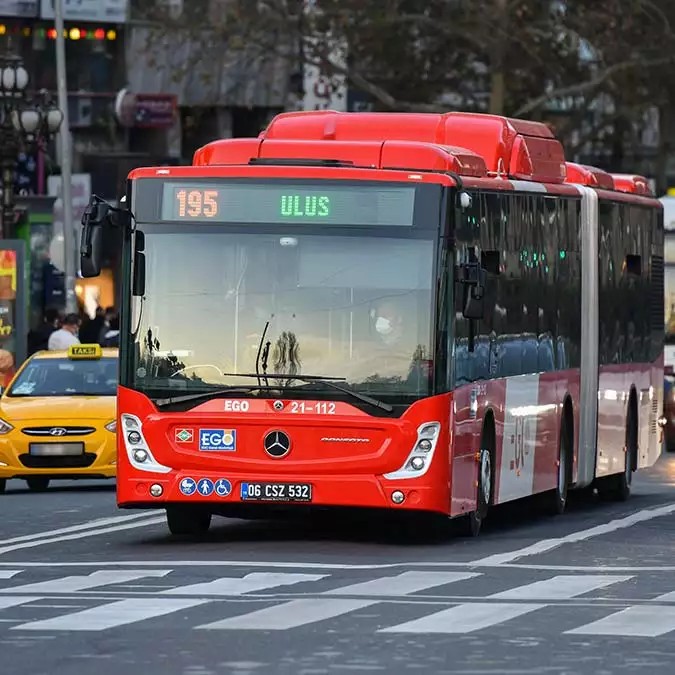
{"points": [[342, 473]]}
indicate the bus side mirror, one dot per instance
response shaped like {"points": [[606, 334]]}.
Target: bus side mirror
{"points": [[91, 243], [472, 278], [474, 304]]}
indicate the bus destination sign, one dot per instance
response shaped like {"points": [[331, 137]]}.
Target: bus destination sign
{"points": [[271, 202]]}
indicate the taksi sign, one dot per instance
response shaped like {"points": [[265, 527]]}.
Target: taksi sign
{"points": [[101, 11]]}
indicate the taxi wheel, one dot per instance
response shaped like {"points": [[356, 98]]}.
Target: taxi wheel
{"points": [[3, 485], [37, 483], [187, 522]]}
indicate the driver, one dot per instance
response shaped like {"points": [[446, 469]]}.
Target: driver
{"points": [[391, 352], [388, 322]]}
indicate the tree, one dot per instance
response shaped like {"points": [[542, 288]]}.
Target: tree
{"points": [[594, 69]]}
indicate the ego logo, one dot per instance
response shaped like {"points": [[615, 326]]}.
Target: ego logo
{"points": [[223, 440], [236, 406]]}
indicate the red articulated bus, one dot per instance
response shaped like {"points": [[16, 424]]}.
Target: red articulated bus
{"points": [[423, 313]]}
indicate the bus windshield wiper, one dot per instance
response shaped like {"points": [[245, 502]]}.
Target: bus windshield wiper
{"points": [[328, 381], [260, 351], [214, 393], [309, 379]]}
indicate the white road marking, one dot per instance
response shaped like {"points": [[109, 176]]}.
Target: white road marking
{"points": [[7, 602], [464, 618], [89, 525], [227, 563], [8, 574], [114, 614], [666, 597], [602, 569], [82, 583], [402, 584], [559, 588], [57, 607], [469, 617], [639, 621], [257, 581], [546, 545], [82, 535], [290, 614]]}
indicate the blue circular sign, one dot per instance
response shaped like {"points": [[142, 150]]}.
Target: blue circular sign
{"points": [[205, 487], [223, 487], [188, 486]]}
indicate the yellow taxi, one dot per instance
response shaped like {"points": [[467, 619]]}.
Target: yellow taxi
{"points": [[58, 417]]}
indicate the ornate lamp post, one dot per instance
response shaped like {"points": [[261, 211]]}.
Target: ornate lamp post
{"points": [[22, 121]]}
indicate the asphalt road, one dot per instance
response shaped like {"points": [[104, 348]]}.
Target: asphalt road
{"points": [[87, 589]]}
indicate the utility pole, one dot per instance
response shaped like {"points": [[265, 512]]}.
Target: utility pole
{"points": [[70, 267], [498, 60]]}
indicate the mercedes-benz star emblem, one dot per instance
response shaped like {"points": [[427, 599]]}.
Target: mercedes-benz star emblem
{"points": [[57, 431], [277, 444]]}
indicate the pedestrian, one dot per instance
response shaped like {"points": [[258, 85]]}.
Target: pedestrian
{"points": [[39, 339], [67, 335], [93, 329], [112, 336]]}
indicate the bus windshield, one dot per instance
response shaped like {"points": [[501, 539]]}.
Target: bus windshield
{"points": [[335, 305]]}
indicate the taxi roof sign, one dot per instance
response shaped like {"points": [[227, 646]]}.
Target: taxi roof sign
{"points": [[84, 352]]}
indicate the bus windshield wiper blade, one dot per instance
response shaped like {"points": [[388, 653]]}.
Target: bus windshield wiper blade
{"points": [[328, 381], [309, 379], [214, 393]]}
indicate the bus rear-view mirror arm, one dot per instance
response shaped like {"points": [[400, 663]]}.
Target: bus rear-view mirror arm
{"points": [[472, 277], [98, 215]]}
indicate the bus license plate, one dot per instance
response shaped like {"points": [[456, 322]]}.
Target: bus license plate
{"points": [[276, 492]]}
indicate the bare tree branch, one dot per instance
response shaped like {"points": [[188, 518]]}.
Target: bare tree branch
{"points": [[594, 83]]}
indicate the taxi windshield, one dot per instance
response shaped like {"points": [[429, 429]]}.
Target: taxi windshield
{"points": [[66, 377]]}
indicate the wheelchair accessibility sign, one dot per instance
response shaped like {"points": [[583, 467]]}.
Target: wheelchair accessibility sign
{"points": [[223, 487], [218, 440]]}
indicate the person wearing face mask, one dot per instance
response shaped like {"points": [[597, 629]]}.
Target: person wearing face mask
{"points": [[67, 335], [387, 355], [388, 323]]}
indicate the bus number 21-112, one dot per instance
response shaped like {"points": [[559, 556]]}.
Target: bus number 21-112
{"points": [[197, 203]]}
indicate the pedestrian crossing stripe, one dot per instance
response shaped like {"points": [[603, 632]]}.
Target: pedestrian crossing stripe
{"points": [[273, 613]]}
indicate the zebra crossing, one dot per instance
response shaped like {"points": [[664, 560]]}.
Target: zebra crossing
{"points": [[418, 602]]}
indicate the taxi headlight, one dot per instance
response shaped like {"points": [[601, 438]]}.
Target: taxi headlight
{"points": [[5, 427], [112, 426]]}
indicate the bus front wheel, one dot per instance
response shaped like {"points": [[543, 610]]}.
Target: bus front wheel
{"points": [[187, 522]]}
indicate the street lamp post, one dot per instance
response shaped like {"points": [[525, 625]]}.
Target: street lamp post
{"points": [[22, 121]]}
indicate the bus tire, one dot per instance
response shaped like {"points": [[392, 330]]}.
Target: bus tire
{"points": [[617, 488], [556, 499], [485, 487], [37, 483], [186, 522], [3, 485]]}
